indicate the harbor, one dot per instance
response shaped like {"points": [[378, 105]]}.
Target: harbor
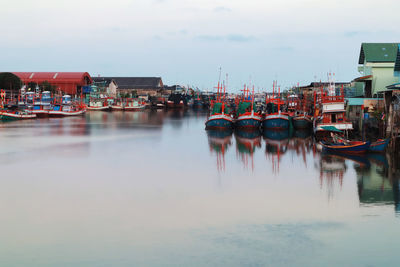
{"points": [[202, 133], [155, 188]]}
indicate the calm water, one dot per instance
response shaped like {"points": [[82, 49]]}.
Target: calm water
{"points": [[155, 189]]}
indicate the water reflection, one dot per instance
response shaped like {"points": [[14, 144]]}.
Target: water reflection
{"points": [[246, 144], [219, 142], [374, 185], [143, 185], [276, 145]]}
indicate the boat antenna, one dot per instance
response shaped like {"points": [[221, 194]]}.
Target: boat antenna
{"points": [[226, 85]]}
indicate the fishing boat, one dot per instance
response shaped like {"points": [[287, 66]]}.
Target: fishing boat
{"points": [[351, 147], [41, 109], [379, 145], [219, 117], [134, 105], [176, 100], [67, 108], [301, 118], [330, 112], [275, 118], [302, 121], [197, 102], [16, 115], [98, 104], [118, 105], [247, 117]]}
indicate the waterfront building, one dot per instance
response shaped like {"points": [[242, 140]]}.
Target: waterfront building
{"points": [[72, 83], [377, 62], [141, 86]]}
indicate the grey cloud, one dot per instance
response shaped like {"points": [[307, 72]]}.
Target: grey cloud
{"points": [[222, 9], [229, 38]]}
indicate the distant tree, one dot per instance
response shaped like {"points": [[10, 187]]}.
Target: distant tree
{"points": [[46, 86], [134, 93], [31, 85], [10, 82]]}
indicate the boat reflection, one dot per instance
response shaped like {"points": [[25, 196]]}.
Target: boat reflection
{"points": [[276, 145], [246, 144], [219, 141], [302, 143]]}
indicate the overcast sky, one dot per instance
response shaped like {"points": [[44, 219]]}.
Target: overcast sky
{"points": [[186, 41]]}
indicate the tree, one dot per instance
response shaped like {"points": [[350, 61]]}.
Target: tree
{"points": [[46, 86], [10, 82], [31, 85]]}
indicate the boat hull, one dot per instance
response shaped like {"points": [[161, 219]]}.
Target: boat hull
{"points": [[105, 108], [302, 122], [276, 121], [248, 121], [117, 108], [138, 108], [41, 113], [219, 122], [66, 113]]}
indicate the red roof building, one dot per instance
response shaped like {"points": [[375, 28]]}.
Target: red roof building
{"points": [[67, 82]]}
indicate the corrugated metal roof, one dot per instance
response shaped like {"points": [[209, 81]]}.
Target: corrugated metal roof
{"points": [[61, 77], [397, 63], [378, 52]]}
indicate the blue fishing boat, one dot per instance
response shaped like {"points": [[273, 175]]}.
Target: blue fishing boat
{"points": [[352, 147], [275, 118], [302, 121], [278, 121], [219, 120], [379, 146]]}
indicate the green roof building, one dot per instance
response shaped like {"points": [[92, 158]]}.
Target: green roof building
{"points": [[377, 65]]}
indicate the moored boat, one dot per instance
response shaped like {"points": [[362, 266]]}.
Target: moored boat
{"points": [[330, 113], [302, 121], [352, 147], [118, 105], [16, 115], [67, 108], [134, 105], [275, 118], [277, 121], [219, 117], [247, 118], [99, 104]]}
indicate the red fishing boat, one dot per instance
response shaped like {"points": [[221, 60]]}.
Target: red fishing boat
{"points": [[301, 118], [247, 117], [275, 118], [67, 108], [219, 117]]}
